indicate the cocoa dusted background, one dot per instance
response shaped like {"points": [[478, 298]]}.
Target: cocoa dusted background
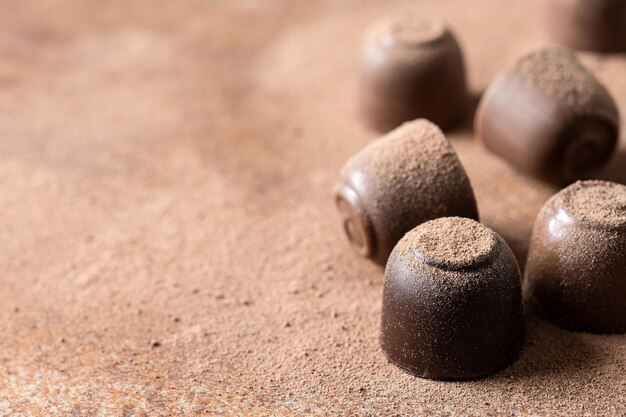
{"points": [[169, 244]]}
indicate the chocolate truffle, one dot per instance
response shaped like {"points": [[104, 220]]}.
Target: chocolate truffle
{"points": [[452, 301], [549, 117], [593, 25], [576, 268], [407, 177], [412, 67]]}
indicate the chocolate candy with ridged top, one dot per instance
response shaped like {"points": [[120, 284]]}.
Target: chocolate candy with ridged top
{"points": [[592, 25], [407, 177], [549, 117], [452, 302], [576, 268], [412, 67]]}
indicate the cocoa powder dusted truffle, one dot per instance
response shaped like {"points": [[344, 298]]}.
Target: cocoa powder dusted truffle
{"points": [[407, 177], [411, 67], [452, 301], [576, 268], [549, 117], [593, 25]]}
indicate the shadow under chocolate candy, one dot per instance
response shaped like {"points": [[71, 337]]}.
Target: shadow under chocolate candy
{"points": [[615, 170], [466, 125], [550, 351]]}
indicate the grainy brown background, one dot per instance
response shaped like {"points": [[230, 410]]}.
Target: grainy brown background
{"points": [[168, 241]]}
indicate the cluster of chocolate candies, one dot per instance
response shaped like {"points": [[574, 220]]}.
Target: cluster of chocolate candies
{"points": [[452, 300]]}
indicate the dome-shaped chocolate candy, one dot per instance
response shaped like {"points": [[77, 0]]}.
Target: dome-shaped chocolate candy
{"points": [[412, 67], [407, 177], [549, 117], [576, 268], [593, 25], [452, 301]]}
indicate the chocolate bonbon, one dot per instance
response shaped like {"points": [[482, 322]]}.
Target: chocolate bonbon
{"points": [[549, 117], [576, 268], [593, 25], [407, 177], [412, 67], [452, 301]]}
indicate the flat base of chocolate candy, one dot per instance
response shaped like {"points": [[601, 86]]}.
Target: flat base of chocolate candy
{"points": [[425, 375]]}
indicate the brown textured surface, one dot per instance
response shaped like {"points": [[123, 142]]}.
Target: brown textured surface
{"points": [[452, 243], [169, 241], [557, 73], [600, 203]]}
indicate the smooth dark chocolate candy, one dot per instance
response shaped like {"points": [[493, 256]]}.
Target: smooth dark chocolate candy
{"points": [[576, 268], [412, 67], [407, 177], [452, 301], [593, 25], [549, 117]]}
